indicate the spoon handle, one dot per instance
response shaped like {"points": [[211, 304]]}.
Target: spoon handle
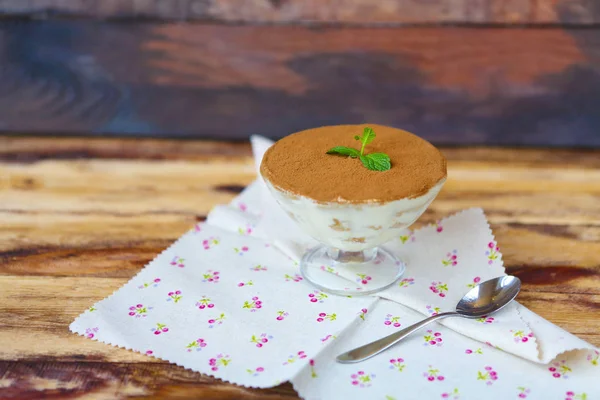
{"points": [[369, 350]]}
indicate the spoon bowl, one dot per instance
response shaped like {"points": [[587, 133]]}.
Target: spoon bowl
{"points": [[484, 299], [489, 297]]}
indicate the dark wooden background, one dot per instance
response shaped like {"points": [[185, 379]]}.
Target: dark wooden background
{"points": [[494, 72]]}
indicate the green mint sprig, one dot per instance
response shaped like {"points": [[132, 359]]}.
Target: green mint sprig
{"points": [[373, 161]]}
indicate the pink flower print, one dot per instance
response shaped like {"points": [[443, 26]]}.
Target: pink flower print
{"points": [[451, 259], [160, 329], [489, 375], [154, 283], [439, 288], [478, 351], [362, 313], [248, 283], [216, 320], [329, 269], [397, 364], [210, 276], [197, 345], [149, 352], [323, 316], [363, 278], [571, 395], [362, 379], [391, 320], [204, 303], [317, 296], [295, 357], [486, 320], [90, 332], [245, 231], [139, 311], [197, 228], [523, 392], [559, 369], [454, 395], [241, 250], [255, 371], [406, 282], [379, 259], [433, 338], [433, 374], [261, 340], [281, 315], [520, 336], [220, 360], [593, 357], [210, 242], [492, 252], [491, 345], [258, 268], [475, 282], [178, 262], [311, 364], [243, 207], [253, 305], [408, 237], [292, 278], [438, 226], [174, 296], [433, 310], [326, 338]]}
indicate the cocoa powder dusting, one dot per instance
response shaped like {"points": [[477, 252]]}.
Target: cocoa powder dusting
{"points": [[299, 164]]}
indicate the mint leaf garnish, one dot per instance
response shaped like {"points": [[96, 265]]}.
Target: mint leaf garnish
{"points": [[368, 135], [344, 151], [374, 162], [366, 138]]}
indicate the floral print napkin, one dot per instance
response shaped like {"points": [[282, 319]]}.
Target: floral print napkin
{"points": [[226, 300]]}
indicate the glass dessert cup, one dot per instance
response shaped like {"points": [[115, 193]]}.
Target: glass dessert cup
{"points": [[350, 259]]}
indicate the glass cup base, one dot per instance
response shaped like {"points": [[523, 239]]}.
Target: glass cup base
{"points": [[351, 273]]}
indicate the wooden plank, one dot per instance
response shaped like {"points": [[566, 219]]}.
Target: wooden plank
{"points": [[107, 381], [360, 12], [450, 85], [72, 231], [24, 150]]}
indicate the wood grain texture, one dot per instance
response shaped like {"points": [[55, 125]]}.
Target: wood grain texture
{"points": [[450, 85], [359, 12], [72, 231]]}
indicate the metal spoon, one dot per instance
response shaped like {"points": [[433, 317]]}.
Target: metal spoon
{"points": [[484, 299]]}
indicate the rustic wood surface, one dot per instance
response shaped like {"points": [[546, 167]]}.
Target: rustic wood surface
{"points": [[451, 85], [361, 12], [79, 217]]}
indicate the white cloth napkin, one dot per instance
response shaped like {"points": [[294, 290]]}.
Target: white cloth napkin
{"points": [[226, 300]]}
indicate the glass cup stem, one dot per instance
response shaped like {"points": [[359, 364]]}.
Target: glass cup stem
{"points": [[351, 272], [342, 256]]}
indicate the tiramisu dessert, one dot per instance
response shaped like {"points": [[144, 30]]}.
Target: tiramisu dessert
{"points": [[353, 188]]}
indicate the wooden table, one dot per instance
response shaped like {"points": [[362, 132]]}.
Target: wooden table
{"points": [[80, 217]]}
